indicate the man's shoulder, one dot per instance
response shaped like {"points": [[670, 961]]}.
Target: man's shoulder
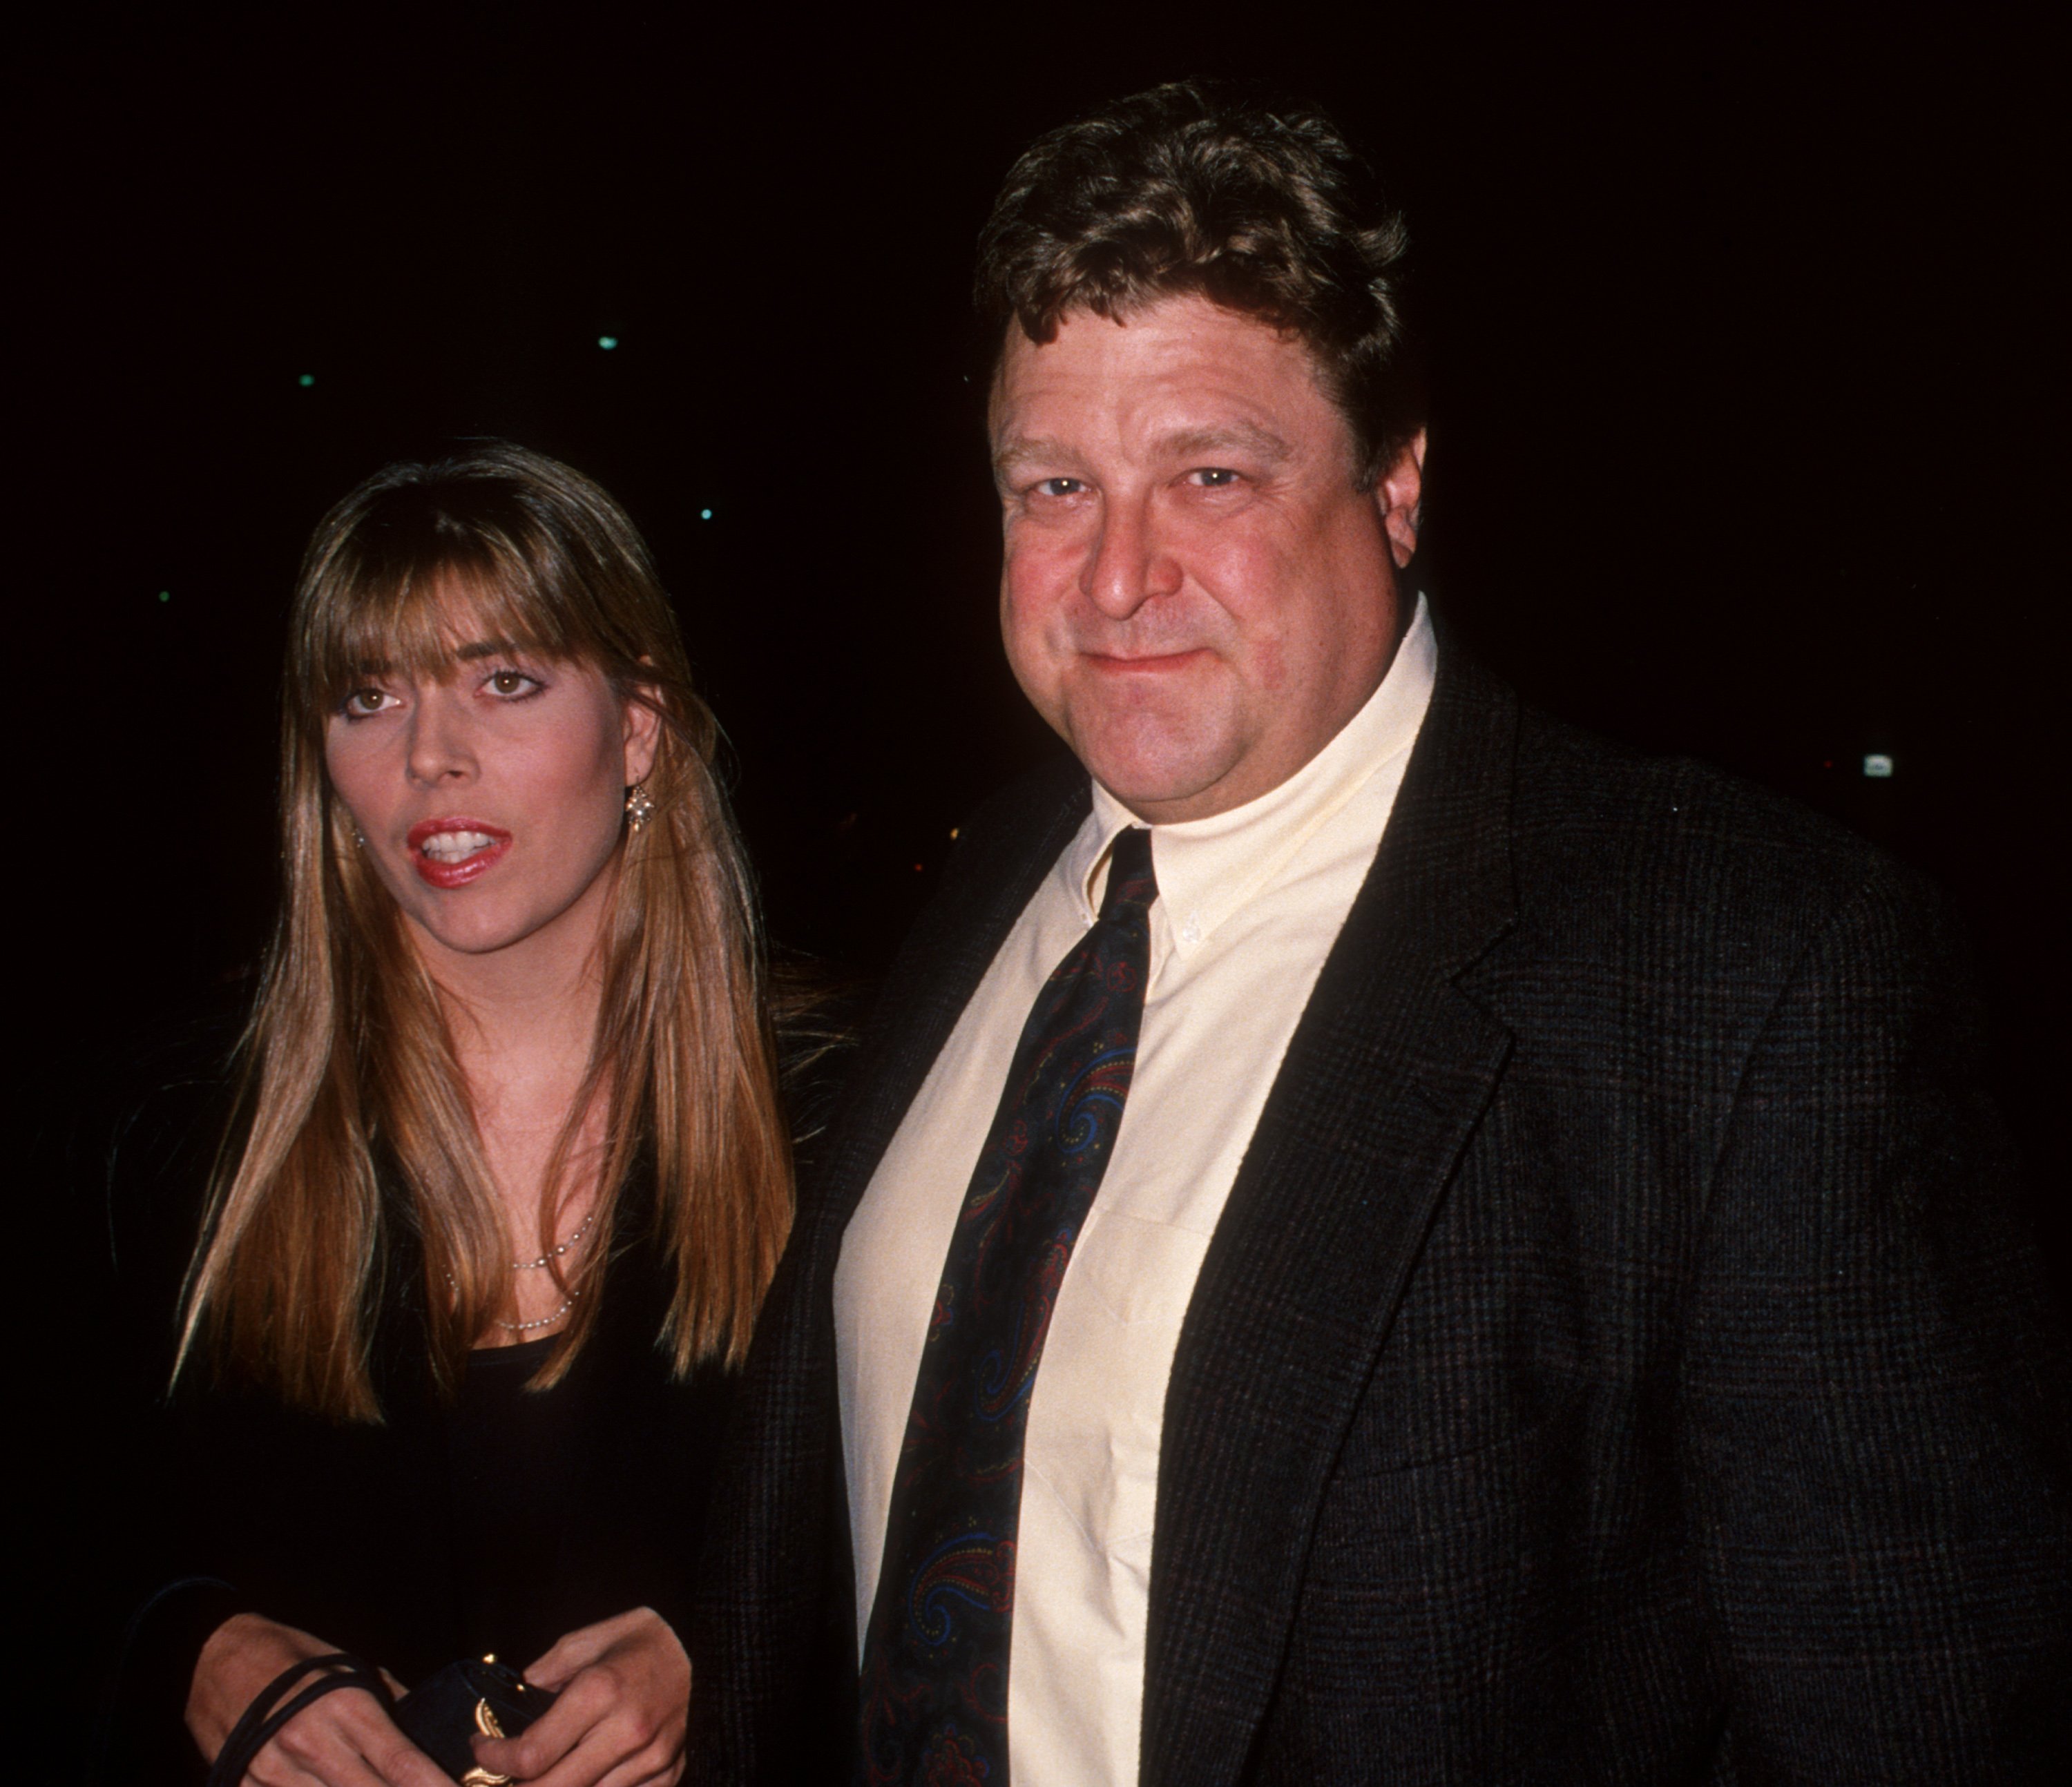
{"points": [[1600, 833], [1054, 789], [1610, 839], [1576, 785], [1001, 851], [1012, 835]]}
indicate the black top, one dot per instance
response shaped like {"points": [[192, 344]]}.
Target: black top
{"points": [[511, 1470], [496, 1520]]}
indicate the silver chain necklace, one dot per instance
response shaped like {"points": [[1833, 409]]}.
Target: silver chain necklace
{"points": [[582, 1229], [543, 1321]]}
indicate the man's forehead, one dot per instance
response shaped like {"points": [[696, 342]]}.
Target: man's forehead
{"points": [[1177, 323], [1184, 374]]}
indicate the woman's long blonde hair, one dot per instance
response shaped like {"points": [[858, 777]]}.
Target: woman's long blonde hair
{"points": [[353, 1116]]}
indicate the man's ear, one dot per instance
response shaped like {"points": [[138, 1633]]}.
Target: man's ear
{"points": [[1399, 495]]}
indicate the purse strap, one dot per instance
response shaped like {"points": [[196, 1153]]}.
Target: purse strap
{"points": [[252, 1732]]}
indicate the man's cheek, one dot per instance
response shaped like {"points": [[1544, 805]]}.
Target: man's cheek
{"points": [[1050, 555], [1033, 620], [1038, 664], [1269, 664]]}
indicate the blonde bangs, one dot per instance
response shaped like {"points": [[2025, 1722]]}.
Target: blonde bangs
{"points": [[367, 618]]}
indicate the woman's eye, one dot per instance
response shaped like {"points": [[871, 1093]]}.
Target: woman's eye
{"points": [[364, 701], [512, 684]]}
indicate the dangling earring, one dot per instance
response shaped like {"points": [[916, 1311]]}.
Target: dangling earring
{"points": [[639, 807]]}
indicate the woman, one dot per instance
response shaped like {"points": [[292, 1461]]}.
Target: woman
{"points": [[505, 1177]]}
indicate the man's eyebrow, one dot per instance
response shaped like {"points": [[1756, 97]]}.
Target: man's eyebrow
{"points": [[1023, 448], [1189, 443], [1230, 437]]}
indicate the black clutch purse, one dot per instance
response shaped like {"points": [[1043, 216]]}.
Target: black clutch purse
{"points": [[464, 1700], [440, 1716]]}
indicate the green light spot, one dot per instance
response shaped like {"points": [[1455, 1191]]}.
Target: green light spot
{"points": [[704, 515], [165, 595], [607, 342], [307, 380]]}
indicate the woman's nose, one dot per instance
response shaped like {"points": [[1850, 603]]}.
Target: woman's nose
{"points": [[439, 747]]}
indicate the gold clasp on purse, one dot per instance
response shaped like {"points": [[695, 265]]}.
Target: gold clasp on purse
{"points": [[485, 1722]]}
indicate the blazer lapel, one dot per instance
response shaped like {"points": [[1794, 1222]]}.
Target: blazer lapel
{"points": [[1385, 1078]]}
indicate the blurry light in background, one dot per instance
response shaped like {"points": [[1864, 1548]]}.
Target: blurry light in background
{"points": [[1877, 764], [704, 515], [165, 595], [607, 342], [307, 380]]}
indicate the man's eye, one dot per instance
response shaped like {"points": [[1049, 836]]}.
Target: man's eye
{"points": [[1060, 486], [512, 684], [1215, 478]]}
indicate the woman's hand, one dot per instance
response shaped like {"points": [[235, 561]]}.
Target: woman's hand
{"points": [[344, 1739], [625, 1687]]}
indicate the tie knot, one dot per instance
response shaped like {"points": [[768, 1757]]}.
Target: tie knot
{"points": [[1132, 886]]}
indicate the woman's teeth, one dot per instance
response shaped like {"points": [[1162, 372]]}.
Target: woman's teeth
{"points": [[454, 846]]}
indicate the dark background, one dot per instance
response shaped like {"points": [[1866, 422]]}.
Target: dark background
{"points": [[1745, 338]]}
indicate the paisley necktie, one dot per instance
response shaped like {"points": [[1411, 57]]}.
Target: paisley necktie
{"points": [[933, 1687]]}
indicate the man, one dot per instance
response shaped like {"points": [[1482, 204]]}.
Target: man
{"points": [[1376, 1238]]}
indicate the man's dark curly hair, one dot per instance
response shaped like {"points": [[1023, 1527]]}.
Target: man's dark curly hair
{"points": [[1198, 188]]}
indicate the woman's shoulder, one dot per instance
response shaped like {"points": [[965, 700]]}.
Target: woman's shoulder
{"points": [[130, 1131], [119, 1140]]}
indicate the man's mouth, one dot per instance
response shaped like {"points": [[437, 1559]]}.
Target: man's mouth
{"points": [[1147, 661]]}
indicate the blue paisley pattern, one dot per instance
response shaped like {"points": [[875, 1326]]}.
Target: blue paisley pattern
{"points": [[934, 1689]]}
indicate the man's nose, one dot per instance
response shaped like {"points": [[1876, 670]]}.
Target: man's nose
{"points": [[439, 748], [1129, 564]]}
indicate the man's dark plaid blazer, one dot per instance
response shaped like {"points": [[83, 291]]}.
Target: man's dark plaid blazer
{"points": [[1619, 1360]]}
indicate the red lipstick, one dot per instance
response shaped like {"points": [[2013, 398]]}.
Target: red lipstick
{"points": [[451, 852]]}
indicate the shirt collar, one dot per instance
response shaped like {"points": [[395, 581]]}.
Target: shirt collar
{"points": [[1208, 868]]}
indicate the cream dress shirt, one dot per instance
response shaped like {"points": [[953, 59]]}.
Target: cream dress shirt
{"points": [[1249, 904]]}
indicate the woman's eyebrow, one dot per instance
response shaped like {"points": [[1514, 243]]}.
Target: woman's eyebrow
{"points": [[472, 652], [486, 648]]}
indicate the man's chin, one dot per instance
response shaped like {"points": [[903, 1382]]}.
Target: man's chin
{"points": [[1158, 793], [1161, 760]]}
